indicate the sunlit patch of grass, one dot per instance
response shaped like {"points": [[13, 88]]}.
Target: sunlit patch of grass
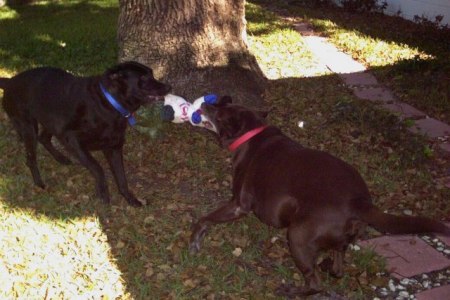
{"points": [[272, 40], [261, 21], [7, 13], [271, 50], [373, 51], [40, 257]]}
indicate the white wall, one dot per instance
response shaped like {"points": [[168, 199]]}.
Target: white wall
{"points": [[428, 8]]}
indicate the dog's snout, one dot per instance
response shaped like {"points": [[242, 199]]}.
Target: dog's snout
{"points": [[162, 91], [206, 107]]}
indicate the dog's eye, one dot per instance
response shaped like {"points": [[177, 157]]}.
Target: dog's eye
{"points": [[146, 78]]}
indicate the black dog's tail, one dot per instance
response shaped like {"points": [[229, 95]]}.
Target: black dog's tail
{"points": [[3, 82], [388, 223]]}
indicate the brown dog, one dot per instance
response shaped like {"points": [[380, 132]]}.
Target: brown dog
{"points": [[323, 201]]}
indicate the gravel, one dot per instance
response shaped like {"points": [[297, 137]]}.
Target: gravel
{"points": [[406, 288]]}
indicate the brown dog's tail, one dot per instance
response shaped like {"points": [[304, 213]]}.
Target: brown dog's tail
{"points": [[3, 82], [387, 223]]}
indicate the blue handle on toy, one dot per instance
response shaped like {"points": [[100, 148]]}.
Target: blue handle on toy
{"points": [[210, 99], [196, 117]]}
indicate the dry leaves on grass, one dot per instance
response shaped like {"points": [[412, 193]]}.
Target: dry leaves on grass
{"points": [[39, 258]]}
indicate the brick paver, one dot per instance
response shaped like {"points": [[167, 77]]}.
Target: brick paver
{"points": [[304, 28], [336, 61], [359, 78], [341, 63], [404, 111], [366, 86], [440, 293], [407, 255], [431, 128], [377, 94]]}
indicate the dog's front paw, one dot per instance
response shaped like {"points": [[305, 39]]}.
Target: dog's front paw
{"points": [[38, 180], [198, 233], [135, 202], [102, 194], [40, 184], [194, 247]]}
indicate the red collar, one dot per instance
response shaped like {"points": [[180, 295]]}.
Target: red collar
{"points": [[245, 137]]}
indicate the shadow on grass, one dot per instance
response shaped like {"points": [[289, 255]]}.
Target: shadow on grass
{"points": [[376, 25], [80, 37], [184, 173]]}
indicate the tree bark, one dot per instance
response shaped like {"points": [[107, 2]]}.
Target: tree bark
{"points": [[198, 46]]}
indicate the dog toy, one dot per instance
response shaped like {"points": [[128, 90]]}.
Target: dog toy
{"points": [[177, 110]]}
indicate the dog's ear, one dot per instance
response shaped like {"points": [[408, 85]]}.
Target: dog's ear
{"points": [[114, 73], [114, 79], [224, 100]]}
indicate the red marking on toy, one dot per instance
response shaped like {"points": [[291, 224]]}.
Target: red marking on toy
{"points": [[184, 108]]}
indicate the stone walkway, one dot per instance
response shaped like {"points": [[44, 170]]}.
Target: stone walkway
{"points": [[419, 266], [365, 86]]}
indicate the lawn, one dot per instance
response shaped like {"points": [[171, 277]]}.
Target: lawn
{"points": [[63, 243], [412, 59]]}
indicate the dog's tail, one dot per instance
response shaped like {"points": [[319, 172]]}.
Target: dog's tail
{"points": [[3, 82], [388, 223]]}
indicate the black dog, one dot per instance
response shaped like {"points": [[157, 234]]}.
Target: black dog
{"points": [[84, 113], [323, 201]]}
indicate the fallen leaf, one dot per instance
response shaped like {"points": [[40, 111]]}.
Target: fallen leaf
{"points": [[189, 283], [237, 252], [149, 219], [149, 272]]}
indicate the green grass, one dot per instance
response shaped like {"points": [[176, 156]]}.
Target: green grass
{"points": [[412, 59], [272, 40], [63, 243], [75, 35]]}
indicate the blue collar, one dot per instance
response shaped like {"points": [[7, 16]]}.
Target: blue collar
{"points": [[125, 113]]}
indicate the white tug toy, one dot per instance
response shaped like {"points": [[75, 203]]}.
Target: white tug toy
{"points": [[177, 110]]}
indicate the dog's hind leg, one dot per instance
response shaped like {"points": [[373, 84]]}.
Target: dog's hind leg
{"points": [[28, 131], [304, 251], [115, 160], [229, 212], [71, 143], [46, 140], [337, 270], [27, 128]]}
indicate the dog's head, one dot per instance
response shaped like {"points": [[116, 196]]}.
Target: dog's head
{"points": [[232, 120], [134, 84]]}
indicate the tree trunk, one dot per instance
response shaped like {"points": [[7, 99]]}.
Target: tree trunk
{"points": [[198, 46]]}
